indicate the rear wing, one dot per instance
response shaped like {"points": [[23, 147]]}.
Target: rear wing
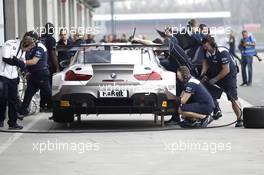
{"points": [[113, 46], [176, 54]]}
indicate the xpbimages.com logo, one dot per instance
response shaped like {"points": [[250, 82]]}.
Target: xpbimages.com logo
{"points": [[59, 146], [81, 31], [212, 30], [191, 146]]}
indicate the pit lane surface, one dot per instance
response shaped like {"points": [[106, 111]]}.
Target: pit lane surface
{"points": [[226, 150]]}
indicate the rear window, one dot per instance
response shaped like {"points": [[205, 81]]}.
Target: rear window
{"points": [[114, 57]]}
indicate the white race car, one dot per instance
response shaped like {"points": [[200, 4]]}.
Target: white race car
{"points": [[111, 79]]}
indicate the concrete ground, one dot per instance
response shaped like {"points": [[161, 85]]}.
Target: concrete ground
{"points": [[226, 150]]}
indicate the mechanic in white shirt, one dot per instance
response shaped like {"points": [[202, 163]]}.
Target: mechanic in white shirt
{"points": [[12, 57]]}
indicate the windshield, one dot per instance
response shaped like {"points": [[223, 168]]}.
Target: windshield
{"points": [[115, 56]]}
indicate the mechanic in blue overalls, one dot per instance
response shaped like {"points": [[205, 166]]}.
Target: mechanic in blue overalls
{"points": [[220, 74], [195, 104], [36, 61]]}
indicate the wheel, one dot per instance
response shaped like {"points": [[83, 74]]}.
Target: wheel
{"points": [[62, 115], [253, 117]]}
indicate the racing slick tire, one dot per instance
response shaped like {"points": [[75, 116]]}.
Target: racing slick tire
{"points": [[253, 117], [62, 115]]}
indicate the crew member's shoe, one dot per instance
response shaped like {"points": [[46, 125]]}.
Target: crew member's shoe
{"points": [[190, 123], [20, 117], [205, 121], [23, 112], [239, 123], [175, 119], [243, 84], [51, 118], [15, 127], [217, 115], [171, 122]]}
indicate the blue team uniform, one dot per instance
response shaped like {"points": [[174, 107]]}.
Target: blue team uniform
{"points": [[201, 101], [39, 78], [229, 82]]}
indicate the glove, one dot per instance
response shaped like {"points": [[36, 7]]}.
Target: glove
{"points": [[15, 62], [212, 81], [8, 61], [203, 78]]}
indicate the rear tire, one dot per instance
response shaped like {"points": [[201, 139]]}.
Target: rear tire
{"points": [[253, 117], [62, 115]]}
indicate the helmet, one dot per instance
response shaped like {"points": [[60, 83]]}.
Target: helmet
{"points": [[33, 34]]}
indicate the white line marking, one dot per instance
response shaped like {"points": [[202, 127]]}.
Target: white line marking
{"points": [[16, 136]]}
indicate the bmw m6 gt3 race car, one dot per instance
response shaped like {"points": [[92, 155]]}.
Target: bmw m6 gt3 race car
{"points": [[111, 79]]}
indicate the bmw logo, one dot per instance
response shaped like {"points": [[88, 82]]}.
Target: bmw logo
{"points": [[113, 75]]}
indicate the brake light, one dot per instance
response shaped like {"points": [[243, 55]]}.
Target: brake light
{"points": [[71, 76], [151, 76]]}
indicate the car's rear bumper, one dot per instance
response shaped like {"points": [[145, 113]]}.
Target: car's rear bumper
{"points": [[87, 104]]}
